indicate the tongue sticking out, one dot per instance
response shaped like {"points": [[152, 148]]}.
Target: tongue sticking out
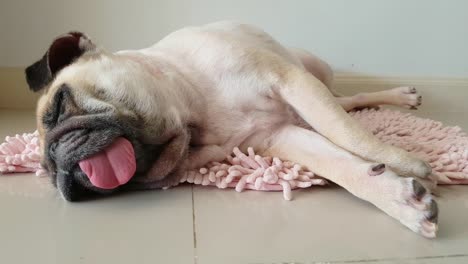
{"points": [[111, 167]]}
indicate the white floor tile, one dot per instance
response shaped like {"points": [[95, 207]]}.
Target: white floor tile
{"points": [[38, 226]]}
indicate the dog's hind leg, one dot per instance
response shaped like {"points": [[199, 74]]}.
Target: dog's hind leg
{"points": [[402, 198], [316, 66], [311, 99], [406, 97]]}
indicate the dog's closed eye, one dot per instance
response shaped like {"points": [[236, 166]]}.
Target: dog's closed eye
{"points": [[59, 109]]}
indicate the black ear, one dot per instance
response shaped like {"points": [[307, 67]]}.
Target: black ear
{"points": [[62, 52]]}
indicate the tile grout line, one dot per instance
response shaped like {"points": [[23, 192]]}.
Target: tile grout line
{"points": [[195, 256]]}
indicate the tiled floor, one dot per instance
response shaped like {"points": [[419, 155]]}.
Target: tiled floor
{"points": [[207, 225]]}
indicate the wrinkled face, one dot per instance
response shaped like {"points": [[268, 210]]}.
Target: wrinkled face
{"points": [[103, 125]]}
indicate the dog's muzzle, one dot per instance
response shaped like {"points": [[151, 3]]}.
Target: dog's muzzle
{"points": [[86, 154]]}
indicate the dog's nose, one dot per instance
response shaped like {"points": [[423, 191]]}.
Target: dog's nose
{"points": [[71, 188], [68, 187]]}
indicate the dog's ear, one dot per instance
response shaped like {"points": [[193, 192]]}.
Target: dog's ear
{"points": [[61, 53]]}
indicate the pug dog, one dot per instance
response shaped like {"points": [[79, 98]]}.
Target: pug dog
{"points": [[137, 119]]}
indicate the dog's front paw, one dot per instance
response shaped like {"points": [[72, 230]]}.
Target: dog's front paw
{"points": [[413, 205], [419, 211], [407, 97]]}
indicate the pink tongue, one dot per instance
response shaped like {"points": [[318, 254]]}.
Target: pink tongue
{"points": [[111, 167]]}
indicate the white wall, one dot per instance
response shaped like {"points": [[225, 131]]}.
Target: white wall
{"points": [[376, 37]]}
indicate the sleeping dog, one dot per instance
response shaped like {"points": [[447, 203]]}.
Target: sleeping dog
{"points": [[137, 119]]}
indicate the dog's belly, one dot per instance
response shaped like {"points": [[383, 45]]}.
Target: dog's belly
{"points": [[249, 125]]}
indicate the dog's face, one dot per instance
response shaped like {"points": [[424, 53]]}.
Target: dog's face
{"points": [[91, 99]]}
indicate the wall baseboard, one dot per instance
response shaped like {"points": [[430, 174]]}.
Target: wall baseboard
{"points": [[14, 91], [439, 94]]}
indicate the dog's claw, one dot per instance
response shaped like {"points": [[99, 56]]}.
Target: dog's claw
{"points": [[377, 169], [419, 190], [433, 212]]}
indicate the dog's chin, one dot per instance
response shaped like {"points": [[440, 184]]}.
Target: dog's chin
{"points": [[75, 185]]}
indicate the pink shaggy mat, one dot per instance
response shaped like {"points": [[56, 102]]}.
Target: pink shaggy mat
{"points": [[444, 147]]}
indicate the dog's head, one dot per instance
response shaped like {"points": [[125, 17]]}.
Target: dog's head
{"points": [[105, 122]]}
